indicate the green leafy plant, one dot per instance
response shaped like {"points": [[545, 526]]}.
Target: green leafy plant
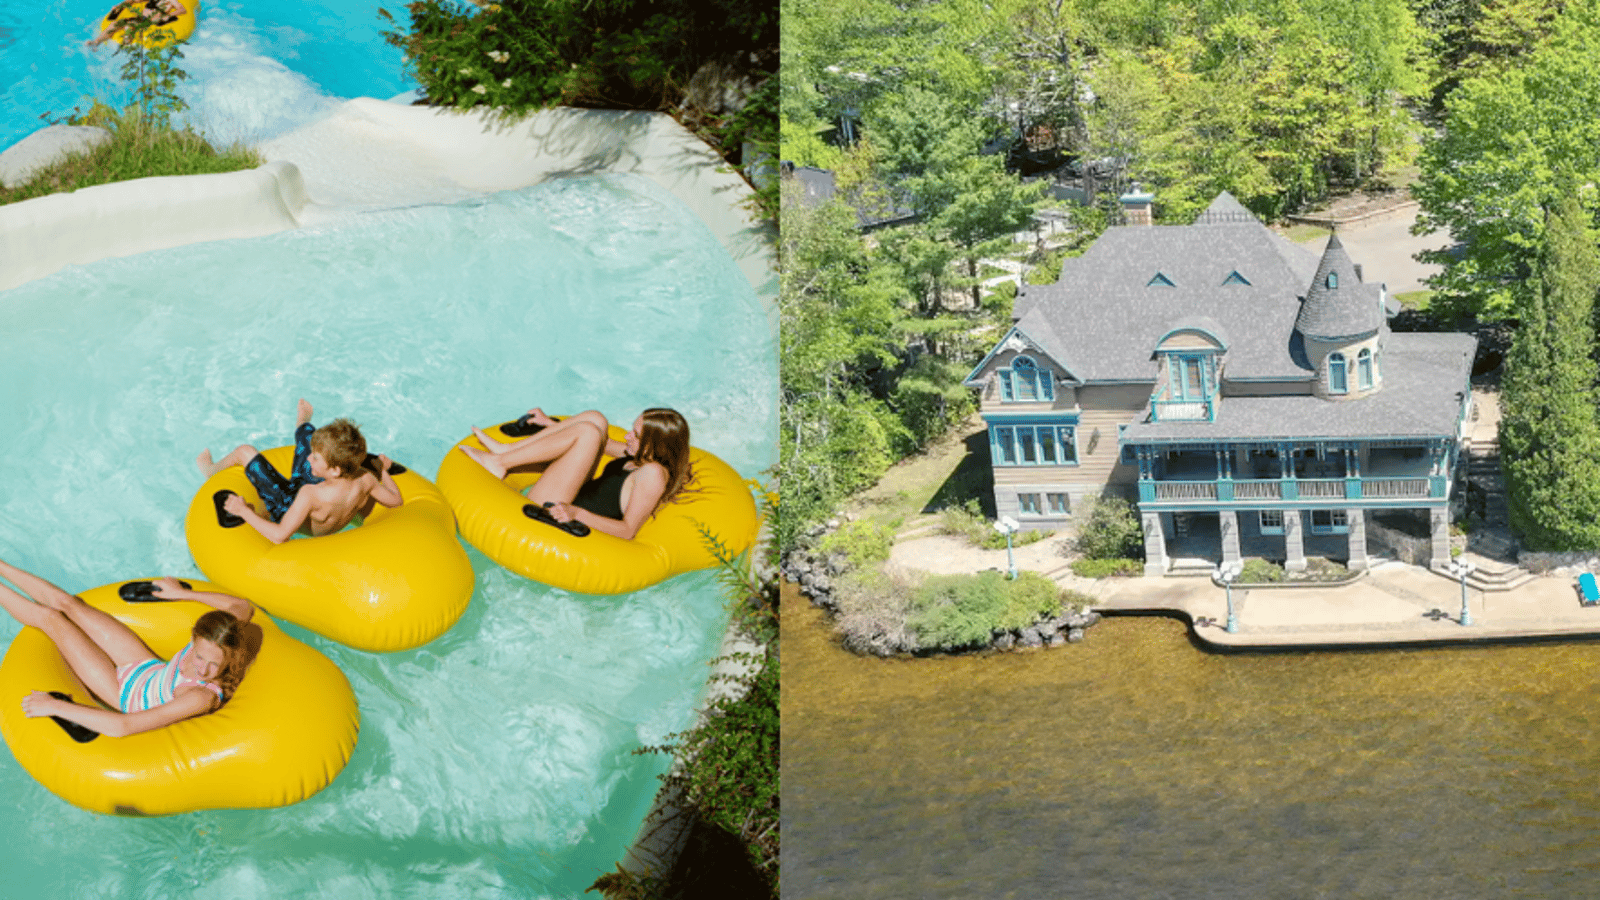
{"points": [[1260, 571], [1111, 531], [150, 64], [960, 611], [862, 542], [1106, 568]]}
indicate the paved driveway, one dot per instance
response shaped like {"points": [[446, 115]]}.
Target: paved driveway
{"points": [[1386, 251]]}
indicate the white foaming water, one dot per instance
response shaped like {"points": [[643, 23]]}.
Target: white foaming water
{"points": [[255, 70], [236, 92], [496, 761]]}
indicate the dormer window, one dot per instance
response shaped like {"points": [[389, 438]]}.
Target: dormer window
{"points": [[1235, 278], [1333, 281], [1026, 382], [1338, 377], [1160, 280]]}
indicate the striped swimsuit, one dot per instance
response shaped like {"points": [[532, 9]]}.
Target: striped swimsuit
{"points": [[149, 683]]}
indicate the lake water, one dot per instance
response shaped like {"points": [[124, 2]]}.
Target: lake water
{"points": [[1136, 765]]}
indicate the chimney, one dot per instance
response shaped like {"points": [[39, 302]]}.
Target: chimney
{"points": [[1357, 267], [1136, 206]]}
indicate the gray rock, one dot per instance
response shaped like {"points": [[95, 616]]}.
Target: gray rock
{"points": [[1056, 639], [1030, 638], [1005, 640], [45, 146], [1074, 635]]}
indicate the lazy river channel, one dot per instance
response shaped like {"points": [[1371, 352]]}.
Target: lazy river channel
{"points": [[1136, 765], [498, 760]]}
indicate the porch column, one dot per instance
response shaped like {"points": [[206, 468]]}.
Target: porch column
{"points": [[1439, 546], [1155, 544], [1228, 524], [1357, 519], [1294, 542]]}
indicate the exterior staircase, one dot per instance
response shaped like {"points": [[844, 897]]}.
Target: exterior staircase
{"points": [[1483, 471], [1490, 574]]}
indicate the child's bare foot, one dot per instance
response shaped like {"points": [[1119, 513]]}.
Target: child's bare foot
{"points": [[208, 468], [302, 413], [485, 459]]}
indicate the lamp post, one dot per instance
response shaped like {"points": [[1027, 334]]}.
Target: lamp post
{"points": [[1008, 526], [1228, 572], [1461, 568]]}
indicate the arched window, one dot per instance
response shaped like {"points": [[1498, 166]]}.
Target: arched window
{"points": [[1364, 369], [1333, 280], [1026, 382], [1338, 382]]}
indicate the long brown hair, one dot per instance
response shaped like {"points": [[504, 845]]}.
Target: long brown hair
{"points": [[664, 440], [222, 628]]}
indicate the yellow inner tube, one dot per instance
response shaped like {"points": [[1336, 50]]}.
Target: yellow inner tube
{"points": [[156, 36], [395, 582], [285, 735], [489, 512]]}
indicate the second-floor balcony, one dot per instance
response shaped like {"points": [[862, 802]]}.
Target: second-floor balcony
{"points": [[1389, 476], [1243, 492]]}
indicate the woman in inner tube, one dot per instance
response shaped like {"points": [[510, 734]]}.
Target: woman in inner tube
{"points": [[651, 467], [114, 664]]}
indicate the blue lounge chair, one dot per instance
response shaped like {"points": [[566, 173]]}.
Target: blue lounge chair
{"points": [[1588, 589]]}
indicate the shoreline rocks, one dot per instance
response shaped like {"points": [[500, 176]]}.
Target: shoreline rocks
{"points": [[815, 573]]}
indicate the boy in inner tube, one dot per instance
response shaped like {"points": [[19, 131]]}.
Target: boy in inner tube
{"points": [[328, 485]]}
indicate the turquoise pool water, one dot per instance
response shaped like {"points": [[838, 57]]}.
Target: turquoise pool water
{"points": [[256, 69], [498, 760]]}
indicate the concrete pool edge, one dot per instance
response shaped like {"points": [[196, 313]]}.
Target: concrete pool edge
{"points": [[427, 155]]}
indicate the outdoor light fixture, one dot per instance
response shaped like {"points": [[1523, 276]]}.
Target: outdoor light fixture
{"points": [[1008, 526], [1228, 573], [1461, 568]]}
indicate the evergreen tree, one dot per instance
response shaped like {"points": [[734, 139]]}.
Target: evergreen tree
{"points": [[1550, 435]]}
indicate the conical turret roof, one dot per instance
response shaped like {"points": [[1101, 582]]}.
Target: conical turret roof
{"points": [[1337, 304]]}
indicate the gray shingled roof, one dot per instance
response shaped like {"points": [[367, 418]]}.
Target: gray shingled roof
{"points": [[1423, 375], [1347, 310], [1102, 317]]}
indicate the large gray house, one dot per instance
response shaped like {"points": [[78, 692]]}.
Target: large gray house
{"points": [[1241, 389]]}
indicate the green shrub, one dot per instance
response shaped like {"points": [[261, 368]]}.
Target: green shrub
{"points": [[862, 543], [965, 521], [1260, 571], [957, 611], [1106, 568], [1111, 531]]}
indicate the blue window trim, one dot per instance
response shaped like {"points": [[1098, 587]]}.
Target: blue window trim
{"points": [[1338, 374], [1332, 281], [1023, 370], [1011, 440], [1179, 375], [1333, 527], [1030, 506], [1261, 521], [1366, 369]]}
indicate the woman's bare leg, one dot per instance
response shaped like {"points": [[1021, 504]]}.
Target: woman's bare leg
{"points": [[566, 474], [590, 416], [548, 445], [90, 663], [237, 457], [112, 638]]}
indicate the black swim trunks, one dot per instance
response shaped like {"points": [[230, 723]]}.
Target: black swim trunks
{"points": [[278, 493]]}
